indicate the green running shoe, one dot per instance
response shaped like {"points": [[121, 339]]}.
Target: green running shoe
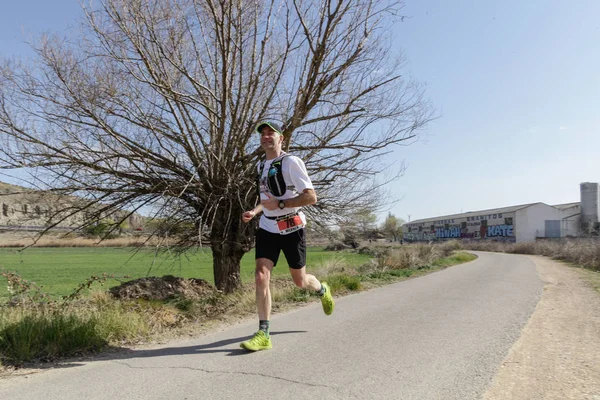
{"points": [[259, 341], [327, 300]]}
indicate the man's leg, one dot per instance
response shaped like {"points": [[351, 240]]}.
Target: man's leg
{"points": [[304, 280], [294, 249], [262, 278], [308, 281], [261, 339], [267, 253]]}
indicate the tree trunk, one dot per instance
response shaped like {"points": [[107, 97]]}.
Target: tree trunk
{"points": [[229, 242], [226, 265]]}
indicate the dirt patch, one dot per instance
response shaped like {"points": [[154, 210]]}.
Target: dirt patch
{"points": [[558, 353], [163, 288]]}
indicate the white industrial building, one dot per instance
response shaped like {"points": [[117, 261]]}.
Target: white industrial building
{"points": [[521, 223]]}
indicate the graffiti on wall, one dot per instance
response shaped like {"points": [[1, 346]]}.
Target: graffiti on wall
{"points": [[493, 226], [449, 233], [500, 230]]}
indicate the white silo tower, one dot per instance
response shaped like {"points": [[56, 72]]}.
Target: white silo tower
{"points": [[590, 206]]}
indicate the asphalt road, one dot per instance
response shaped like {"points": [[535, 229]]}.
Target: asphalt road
{"points": [[441, 336]]}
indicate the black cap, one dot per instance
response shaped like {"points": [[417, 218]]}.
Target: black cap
{"points": [[273, 126]]}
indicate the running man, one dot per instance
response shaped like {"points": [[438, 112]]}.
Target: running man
{"points": [[285, 187]]}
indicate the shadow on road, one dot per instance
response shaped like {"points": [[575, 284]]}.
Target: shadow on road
{"points": [[229, 346], [215, 347]]}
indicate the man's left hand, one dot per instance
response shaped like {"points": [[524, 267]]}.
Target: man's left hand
{"points": [[272, 203]]}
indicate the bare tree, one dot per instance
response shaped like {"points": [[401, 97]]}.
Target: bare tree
{"points": [[153, 107]]}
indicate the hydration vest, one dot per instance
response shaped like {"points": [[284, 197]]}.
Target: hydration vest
{"points": [[275, 180]]}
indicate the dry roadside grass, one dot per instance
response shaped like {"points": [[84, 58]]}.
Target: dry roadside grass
{"points": [[579, 251], [557, 356]]}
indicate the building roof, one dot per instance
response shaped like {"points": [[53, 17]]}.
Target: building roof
{"points": [[475, 213], [567, 205]]}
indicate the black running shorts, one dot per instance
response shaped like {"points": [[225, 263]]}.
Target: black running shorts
{"points": [[269, 245]]}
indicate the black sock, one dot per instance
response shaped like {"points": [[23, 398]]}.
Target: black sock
{"points": [[265, 326], [321, 291]]}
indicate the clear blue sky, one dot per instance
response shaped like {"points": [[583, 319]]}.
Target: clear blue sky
{"points": [[516, 84]]}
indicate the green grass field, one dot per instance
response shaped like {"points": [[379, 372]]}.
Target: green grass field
{"points": [[60, 270]]}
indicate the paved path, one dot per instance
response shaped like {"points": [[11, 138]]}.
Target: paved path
{"points": [[440, 336]]}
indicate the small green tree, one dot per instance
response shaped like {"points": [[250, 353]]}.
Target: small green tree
{"points": [[366, 221], [104, 228], [358, 225], [392, 227]]}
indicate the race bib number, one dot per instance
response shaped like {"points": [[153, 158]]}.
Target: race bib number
{"points": [[290, 224]]}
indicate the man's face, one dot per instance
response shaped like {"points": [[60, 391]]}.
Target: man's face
{"points": [[269, 139]]}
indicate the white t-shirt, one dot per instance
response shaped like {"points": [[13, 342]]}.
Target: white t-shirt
{"points": [[296, 179]]}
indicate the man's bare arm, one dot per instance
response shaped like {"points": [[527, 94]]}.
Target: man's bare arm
{"points": [[306, 198]]}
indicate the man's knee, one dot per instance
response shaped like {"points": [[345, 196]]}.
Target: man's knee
{"points": [[299, 278], [261, 277], [262, 274]]}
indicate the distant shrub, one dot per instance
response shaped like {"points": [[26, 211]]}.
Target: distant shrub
{"points": [[448, 247], [336, 246], [375, 251]]}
